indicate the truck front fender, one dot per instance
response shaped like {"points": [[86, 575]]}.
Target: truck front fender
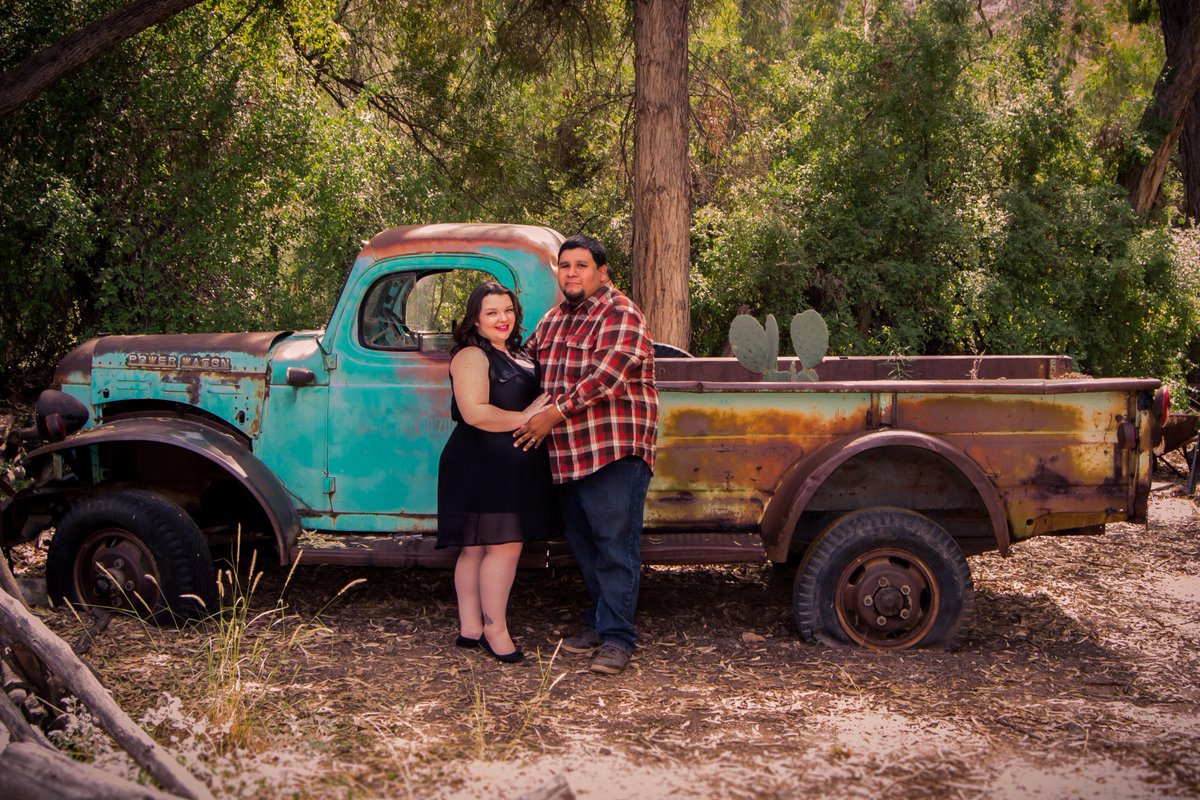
{"points": [[224, 451], [804, 479]]}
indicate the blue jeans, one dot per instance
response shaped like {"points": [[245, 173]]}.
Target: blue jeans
{"points": [[603, 517]]}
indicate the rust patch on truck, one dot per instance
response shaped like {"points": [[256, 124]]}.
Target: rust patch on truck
{"points": [[1049, 481], [788, 416], [708, 422], [979, 412], [257, 344], [751, 466]]}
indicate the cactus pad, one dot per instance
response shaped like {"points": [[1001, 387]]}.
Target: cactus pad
{"points": [[810, 338], [756, 349]]}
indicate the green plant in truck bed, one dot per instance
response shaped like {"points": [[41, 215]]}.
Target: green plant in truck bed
{"points": [[757, 347]]}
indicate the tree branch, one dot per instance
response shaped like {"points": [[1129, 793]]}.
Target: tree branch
{"points": [[27, 80], [1176, 88]]}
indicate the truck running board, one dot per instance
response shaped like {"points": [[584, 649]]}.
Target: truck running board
{"points": [[702, 548], [416, 550]]}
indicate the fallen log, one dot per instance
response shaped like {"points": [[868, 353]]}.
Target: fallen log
{"points": [[8, 583], [19, 625], [19, 728], [21, 674], [37, 773]]}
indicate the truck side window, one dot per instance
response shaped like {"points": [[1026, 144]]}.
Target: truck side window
{"points": [[381, 322], [415, 310]]}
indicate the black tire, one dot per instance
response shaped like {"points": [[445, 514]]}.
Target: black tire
{"points": [[135, 551], [886, 579]]}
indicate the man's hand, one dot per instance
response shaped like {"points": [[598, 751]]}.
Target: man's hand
{"points": [[537, 428]]}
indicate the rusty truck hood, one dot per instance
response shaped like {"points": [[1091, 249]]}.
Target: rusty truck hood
{"points": [[250, 352], [221, 375]]}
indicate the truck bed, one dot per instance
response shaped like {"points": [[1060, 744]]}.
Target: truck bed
{"points": [[1057, 451]]}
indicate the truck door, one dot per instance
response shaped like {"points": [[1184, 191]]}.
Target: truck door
{"points": [[389, 393]]}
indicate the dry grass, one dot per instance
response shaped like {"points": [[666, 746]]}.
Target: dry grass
{"points": [[1080, 676]]}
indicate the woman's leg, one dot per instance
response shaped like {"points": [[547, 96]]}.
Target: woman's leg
{"points": [[466, 585], [496, 574]]}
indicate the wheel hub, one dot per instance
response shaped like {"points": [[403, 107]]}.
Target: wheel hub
{"points": [[887, 599], [115, 569]]}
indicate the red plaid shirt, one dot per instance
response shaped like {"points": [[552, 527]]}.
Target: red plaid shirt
{"points": [[597, 362]]}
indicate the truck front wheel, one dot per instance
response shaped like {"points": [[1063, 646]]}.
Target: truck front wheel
{"points": [[134, 551], [884, 578]]}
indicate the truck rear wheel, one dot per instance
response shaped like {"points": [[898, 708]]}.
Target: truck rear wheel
{"points": [[884, 578], [134, 551]]}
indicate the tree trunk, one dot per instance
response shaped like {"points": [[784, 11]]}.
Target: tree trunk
{"points": [[1189, 160], [37, 73], [8, 582], [661, 208], [1174, 93], [1174, 29]]}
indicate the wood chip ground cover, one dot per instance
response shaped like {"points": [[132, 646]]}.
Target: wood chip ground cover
{"points": [[1080, 677]]}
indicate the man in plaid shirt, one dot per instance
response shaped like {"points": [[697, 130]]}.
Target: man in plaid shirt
{"points": [[597, 363]]}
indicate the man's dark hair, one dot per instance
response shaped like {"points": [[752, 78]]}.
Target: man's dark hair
{"points": [[585, 242], [467, 335]]}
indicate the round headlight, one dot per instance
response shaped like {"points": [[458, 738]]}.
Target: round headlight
{"points": [[59, 415]]}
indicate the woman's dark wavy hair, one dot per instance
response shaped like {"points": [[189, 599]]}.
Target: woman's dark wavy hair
{"points": [[467, 335]]}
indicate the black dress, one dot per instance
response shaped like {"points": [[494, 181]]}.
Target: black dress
{"points": [[490, 492]]}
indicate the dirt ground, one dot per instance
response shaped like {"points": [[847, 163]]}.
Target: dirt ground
{"points": [[1080, 677]]}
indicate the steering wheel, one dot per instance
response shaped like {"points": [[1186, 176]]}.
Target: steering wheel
{"points": [[391, 331]]}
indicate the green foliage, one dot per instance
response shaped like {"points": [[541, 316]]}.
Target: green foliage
{"points": [[186, 182], [930, 181], [930, 188]]}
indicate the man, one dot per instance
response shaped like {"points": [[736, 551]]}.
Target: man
{"points": [[597, 363]]}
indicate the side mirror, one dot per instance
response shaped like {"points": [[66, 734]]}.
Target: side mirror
{"points": [[300, 376]]}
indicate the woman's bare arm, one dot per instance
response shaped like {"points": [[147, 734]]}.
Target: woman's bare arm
{"points": [[469, 368]]}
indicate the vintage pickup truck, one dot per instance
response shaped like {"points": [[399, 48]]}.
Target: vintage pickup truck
{"points": [[879, 477]]}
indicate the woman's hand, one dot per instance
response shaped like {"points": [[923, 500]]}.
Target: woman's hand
{"points": [[539, 402]]}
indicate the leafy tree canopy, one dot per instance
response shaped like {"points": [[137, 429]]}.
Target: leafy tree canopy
{"points": [[930, 179]]}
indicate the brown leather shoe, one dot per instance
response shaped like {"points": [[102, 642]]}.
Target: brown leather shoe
{"points": [[611, 660]]}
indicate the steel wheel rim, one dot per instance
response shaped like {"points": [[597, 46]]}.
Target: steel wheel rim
{"points": [[115, 569], [887, 599]]}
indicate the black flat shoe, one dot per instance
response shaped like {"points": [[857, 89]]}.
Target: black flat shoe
{"points": [[515, 657], [464, 641]]}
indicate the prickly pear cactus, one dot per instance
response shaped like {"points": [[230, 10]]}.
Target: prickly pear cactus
{"points": [[756, 349], [810, 338]]}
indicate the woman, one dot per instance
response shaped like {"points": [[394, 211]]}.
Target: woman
{"points": [[492, 497]]}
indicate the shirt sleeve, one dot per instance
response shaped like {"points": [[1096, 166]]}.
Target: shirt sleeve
{"points": [[621, 346]]}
